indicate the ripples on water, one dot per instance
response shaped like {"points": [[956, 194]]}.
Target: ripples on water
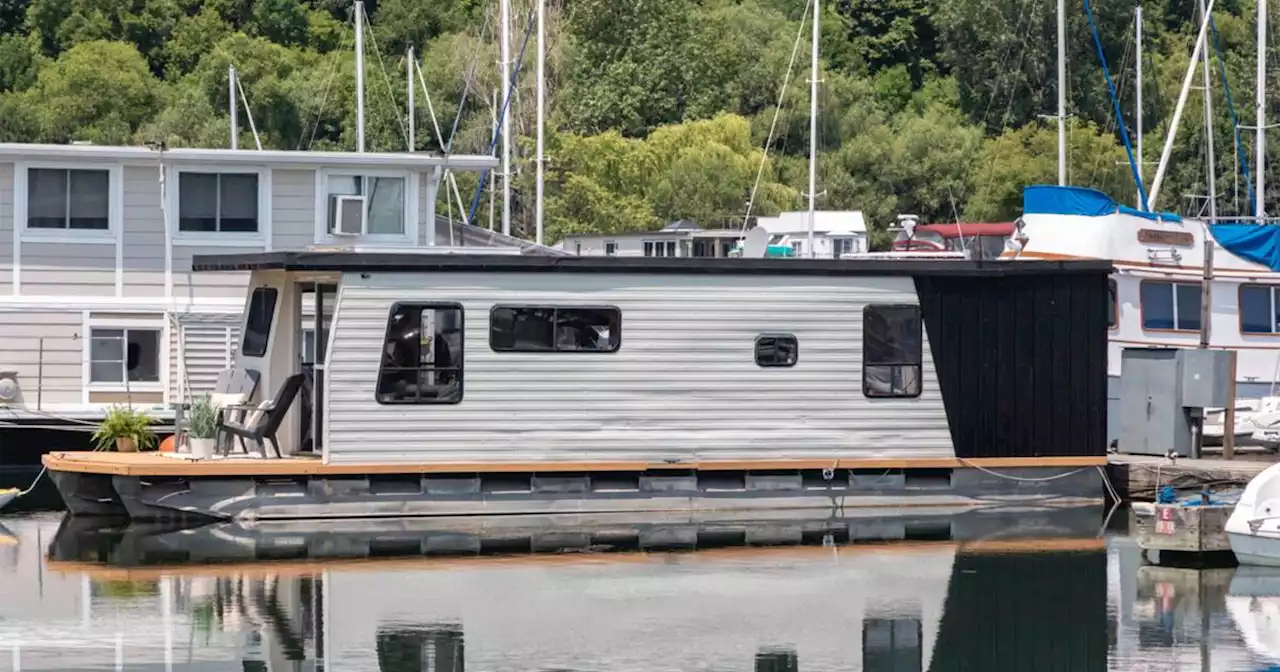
{"points": [[113, 601]]}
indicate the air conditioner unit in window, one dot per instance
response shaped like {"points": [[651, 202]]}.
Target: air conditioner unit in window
{"points": [[347, 215]]}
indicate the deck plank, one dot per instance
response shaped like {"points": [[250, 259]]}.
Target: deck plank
{"points": [[156, 464]]}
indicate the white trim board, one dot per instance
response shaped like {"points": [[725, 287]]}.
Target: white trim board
{"points": [[145, 156]]}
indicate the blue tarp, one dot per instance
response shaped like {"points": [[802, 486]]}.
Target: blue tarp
{"points": [[1051, 199], [1259, 243]]}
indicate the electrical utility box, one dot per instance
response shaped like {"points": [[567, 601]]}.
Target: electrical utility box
{"points": [[1163, 391]]}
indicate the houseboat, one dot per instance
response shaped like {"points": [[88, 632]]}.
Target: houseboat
{"points": [[1155, 290], [97, 300], [452, 384]]}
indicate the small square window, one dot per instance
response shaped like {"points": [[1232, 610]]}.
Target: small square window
{"points": [[777, 350]]}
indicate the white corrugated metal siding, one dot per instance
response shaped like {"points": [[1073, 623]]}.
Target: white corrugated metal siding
{"points": [[206, 347], [684, 384]]}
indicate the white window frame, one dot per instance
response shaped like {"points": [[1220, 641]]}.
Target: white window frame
{"points": [[115, 204], [156, 323], [173, 202], [412, 227]]}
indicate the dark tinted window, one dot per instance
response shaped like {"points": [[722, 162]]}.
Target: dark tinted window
{"points": [[777, 350], [1170, 305], [1257, 310], [422, 355], [257, 328], [892, 338], [555, 329]]}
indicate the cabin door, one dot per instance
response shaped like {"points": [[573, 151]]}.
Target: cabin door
{"points": [[317, 312]]}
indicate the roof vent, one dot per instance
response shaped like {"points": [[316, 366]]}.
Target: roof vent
{"points": [[81, 143], [8, 387]]}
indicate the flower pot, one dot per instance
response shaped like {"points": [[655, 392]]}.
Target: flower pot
{"points": [[126, 444], [202, 449]]}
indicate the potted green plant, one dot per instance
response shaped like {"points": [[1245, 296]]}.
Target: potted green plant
{"points": [[202, 429], [125, 429]]}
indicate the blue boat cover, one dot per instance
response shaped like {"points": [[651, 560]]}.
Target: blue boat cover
{"points": [[1051, 199], [1259, 243]]}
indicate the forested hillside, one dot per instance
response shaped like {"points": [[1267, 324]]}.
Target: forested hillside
{"points": [[659, 109]]}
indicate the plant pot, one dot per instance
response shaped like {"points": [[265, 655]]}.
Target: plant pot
{"points": [[201, 449], [126, 444]]}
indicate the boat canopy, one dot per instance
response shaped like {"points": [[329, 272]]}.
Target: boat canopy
{"points": [[1259, 243], [1051, 199]]}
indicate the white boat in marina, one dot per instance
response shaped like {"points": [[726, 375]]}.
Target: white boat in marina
{"points": [[1254, 526]]}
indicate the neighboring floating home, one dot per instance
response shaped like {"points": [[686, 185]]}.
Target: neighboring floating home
{"points": [[462, 384], [96, 294]]}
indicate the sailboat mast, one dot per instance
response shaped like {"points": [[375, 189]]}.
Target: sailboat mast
{"points": [[359, 76], [235, 121], [1137, 37], [813, 127], [1260, 104], [505, 21], [1153, 195], [413, 125], [542, 111], [1062, 92], [1206, 284]]}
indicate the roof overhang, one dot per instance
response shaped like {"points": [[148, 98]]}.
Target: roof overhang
{"points": [[250, 157], [435, 262]]}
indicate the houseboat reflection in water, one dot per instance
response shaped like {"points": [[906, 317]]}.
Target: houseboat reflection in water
{"points": [[950, 596]]}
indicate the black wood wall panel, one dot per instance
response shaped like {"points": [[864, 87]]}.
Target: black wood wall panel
{"points": [[1022, 361]]}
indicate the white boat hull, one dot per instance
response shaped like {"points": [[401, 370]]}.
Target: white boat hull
{"points": [[1254, 526], [1255, 550]]}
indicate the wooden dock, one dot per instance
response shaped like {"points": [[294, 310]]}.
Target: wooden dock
{"points": [[1139, 477]]}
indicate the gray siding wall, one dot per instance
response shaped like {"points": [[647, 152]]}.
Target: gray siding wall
{"points": [[6, 228], [684, 384], [69, 269], [144, 239], [61, 373], [293, 209]]}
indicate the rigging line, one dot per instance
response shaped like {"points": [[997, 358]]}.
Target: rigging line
{"points": [[515, 73], [1100, 160], [1115, 101], [334, 59], [991, 171], [468, 82], [1004, 58], [404, 129], [1235, 121], [777, 111]]}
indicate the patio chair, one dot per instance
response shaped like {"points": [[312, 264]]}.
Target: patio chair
{"points": [[260, 422], [235, 386]]}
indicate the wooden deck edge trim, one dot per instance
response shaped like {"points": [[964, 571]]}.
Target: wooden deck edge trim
{"points": [[265, 568], [144, 464]]}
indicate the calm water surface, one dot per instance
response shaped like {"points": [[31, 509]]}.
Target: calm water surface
{"points": [[1073, 605]]}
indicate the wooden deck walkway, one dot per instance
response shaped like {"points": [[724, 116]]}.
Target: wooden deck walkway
{"points": [[158, 464]]}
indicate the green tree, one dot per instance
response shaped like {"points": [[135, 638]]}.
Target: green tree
{"points": [[98, 91]]}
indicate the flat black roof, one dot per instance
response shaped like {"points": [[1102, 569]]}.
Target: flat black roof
{"points": [[503, 263]]}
